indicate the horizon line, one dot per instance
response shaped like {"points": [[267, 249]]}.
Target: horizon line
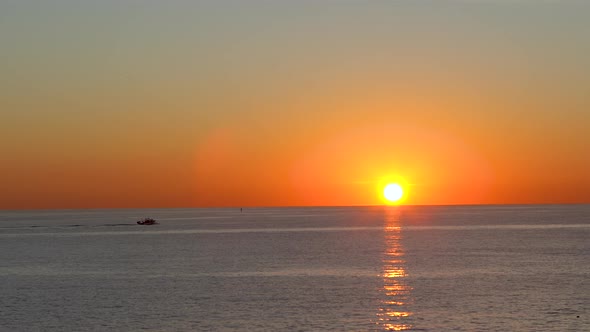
{"points": [[293, 206]]}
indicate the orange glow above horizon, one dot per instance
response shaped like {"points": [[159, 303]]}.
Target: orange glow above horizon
{"points": [[229, 105]]}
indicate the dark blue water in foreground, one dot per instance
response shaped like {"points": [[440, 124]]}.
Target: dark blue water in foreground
{"points": [[478, 268]]}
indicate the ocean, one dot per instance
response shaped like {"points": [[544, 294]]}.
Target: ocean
{"points": [[414, 268]]}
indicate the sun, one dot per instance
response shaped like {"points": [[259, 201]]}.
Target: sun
{"points": [[393, 192]]}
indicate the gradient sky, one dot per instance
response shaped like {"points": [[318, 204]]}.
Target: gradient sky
{"points": [[265, 103]]}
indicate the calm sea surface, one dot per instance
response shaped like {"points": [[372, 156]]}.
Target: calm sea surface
{"points": [[476, 268]]}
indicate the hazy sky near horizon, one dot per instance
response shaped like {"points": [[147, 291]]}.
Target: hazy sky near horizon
{"points": [[262, 103]]}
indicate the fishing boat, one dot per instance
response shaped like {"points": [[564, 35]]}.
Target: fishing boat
{"points": [[147, 221]]}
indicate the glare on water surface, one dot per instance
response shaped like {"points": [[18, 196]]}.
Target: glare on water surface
{"points": [[393, 312]]}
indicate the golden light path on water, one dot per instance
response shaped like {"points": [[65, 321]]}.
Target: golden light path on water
{"points": [[393, 312]]}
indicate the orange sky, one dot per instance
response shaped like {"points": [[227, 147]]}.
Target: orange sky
{"points": [[194, 105]]}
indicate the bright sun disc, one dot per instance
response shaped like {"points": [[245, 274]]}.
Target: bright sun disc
{"points": [[393, 192]]}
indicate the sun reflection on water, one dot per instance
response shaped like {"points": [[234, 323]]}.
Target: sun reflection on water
{"points": [[393, 312]]}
